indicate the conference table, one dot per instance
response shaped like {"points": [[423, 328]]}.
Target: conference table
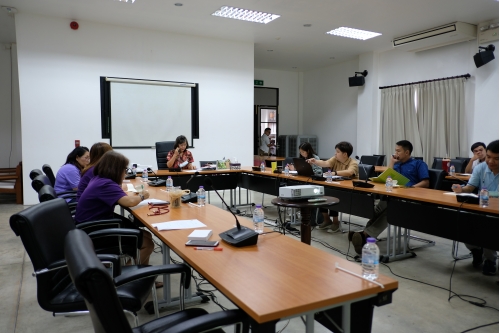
{"points": [[430, 211], [276, 279]]}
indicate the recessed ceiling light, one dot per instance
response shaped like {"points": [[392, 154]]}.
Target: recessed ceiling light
{"points": [[332, 57], [126, 1], [179, 4], [245, 15], [270, 50], [294, 67], [307, 25], [353, 33]]}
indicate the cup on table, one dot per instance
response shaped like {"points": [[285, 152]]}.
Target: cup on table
{"points": [[394, 182], [445, 164], [139, 188], [274, 165], [175, 196]]}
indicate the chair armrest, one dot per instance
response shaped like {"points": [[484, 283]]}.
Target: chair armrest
{"points": [[153, 271], [115, 232], [210, 321], [110, 223], [114, 259]]}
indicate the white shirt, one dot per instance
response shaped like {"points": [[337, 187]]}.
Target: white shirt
{"points": [[264, 141], [476, 162]]}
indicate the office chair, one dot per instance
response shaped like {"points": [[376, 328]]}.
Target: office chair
{"points": [[92, 280], [436, 164], [42, 229], [459, 164], [162, 149], [42, 180], [34, 173], [366, 171], [49, 173], [380, 161], [436, 177], [369, 159]]}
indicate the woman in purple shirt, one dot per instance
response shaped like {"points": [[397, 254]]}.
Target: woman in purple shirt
{"points": [[68, 176], [104, 192], [96, 152]]}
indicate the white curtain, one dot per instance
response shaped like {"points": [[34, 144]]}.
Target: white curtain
{"points": [[441, 119], [398, 119]]}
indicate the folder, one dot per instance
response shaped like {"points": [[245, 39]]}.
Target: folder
{"points": [[402, 180]]}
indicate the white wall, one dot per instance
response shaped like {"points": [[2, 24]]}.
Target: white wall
{"points": [[59, 72], [330, 106], [289, 97]]}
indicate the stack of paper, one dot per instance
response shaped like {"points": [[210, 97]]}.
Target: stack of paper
{"points": [[179, 224], [200, 235]]}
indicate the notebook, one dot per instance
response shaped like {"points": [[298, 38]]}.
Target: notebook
{"points": [[402, 180]]}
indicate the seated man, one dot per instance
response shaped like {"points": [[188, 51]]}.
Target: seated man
{"points": [[413, 169], [478, 150], [484, 175], [341, 165]]}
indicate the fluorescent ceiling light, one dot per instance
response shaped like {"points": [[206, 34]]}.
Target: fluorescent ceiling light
{"points": [[353, 33], [245, 15], [126, 1]]}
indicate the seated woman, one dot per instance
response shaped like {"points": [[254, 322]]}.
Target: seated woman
{"points": [[68, 176], [180, 157], [96, 152], [104, 192], [306, 152]]}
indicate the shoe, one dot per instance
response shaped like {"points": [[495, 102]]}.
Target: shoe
{"points": [[358, 240], [489, 267], [158, 284], [350, 234], [477, 257], [325, 225], [334, 228]]}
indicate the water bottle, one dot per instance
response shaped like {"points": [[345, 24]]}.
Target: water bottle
{"points": [[452, 170], [145, 176], [200, 194], [370, 259], [287, 170], [262, 167], [484, 197], [170, 184], [258, 219], [329, 176], [388, 184]]}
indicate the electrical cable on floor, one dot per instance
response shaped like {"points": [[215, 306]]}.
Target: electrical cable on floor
{"points": [[199, 281], [281, 330], [475, 328]]}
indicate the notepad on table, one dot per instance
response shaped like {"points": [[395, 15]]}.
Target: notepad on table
{"points": [[179, 224], [200, 234], [402, 180]]}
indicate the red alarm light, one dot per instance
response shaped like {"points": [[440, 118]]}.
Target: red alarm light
{"points": [[74, 25]]}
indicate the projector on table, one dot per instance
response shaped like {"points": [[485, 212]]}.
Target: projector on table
{"points": [[301, 192]]}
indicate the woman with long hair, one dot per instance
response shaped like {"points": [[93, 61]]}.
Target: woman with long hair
{"points": [[306, 152], [68, 176], [180, 155], [96, 152], [104, 192]]}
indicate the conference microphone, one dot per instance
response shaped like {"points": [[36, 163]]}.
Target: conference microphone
{"points": [[460, 180], [196, 173], [193, 196], [157, 182], [360, 183], [239, 236], [130, 174]]}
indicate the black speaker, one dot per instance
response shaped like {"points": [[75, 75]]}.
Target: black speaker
{"points": [[482, 58], [356, 81]]}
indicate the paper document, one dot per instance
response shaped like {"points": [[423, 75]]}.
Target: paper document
{"points": [[179, 224], [146, 201], [293, 172], [402, 180], [131, 188]]}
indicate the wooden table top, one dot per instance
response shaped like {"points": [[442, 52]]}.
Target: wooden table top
{"points": [[279, 277]]}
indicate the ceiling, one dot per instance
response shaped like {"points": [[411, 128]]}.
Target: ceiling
{"points": [[294, 47]]}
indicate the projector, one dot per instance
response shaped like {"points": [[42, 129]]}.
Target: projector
{"points": [[301, 192]]}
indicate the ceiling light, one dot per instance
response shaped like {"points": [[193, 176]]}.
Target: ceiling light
{"points": [[9, 10], [353, 33], [270, 50], [178, 4], [332, 57], [307, 25], [245, 15], [126, 1]]}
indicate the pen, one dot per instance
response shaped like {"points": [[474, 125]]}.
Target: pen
{"points": [[209, 248]]}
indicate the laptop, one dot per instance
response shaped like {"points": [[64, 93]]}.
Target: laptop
{"points": [[305, 169]]}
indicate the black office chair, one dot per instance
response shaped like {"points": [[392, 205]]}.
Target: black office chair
{"points": [[42, 180], [459, 164], [162, 149], [49, 173], [380, 161], [42, 229], [369, 159], [418, 158], [92, 280], [366, 171], [34, 173], [437, 163], [436, 177]]}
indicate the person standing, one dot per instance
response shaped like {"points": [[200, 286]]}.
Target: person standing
{"points": [[485, 175], [341, 164], [265, 143], [478, 150]]}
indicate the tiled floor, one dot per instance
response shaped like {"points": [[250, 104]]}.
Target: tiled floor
{"points": [[415, 308]]}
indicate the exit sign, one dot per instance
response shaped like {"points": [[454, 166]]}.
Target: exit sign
{"points": [[258, 82]]}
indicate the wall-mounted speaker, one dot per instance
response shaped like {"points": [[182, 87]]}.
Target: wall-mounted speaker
{"points": [[484, 57], [356, 81]]}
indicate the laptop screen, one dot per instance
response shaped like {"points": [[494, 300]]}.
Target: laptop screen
{"points": [[303, 168]]}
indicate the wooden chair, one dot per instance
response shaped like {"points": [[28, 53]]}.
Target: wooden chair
{"points": [[11, 181]]}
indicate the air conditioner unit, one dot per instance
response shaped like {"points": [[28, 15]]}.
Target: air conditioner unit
{"points": [[440, 36]]}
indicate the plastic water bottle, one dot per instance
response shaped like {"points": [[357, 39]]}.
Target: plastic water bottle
{"points": [[452, 170], [200, 194], [484, 197], [258, 219], [370, 259], [388, 184], [144, 176], [329, 176], [287, 170], [262, 167], [170, 183]]}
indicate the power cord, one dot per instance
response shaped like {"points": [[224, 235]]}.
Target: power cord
{"points": [[475, 328]]}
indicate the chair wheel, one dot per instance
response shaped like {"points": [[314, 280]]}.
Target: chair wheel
{"points": [[413, 254], [204, 298], [149, 307], [384, 259]]}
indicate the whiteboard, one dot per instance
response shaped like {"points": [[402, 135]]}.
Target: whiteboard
{"points": [[143, 114]]}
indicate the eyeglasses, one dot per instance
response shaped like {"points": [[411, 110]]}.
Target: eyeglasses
{"points": [[157, 209]]}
